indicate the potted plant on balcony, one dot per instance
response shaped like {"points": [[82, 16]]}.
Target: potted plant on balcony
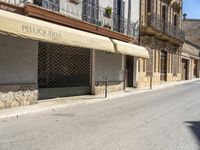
{"points": [[108, 11]]}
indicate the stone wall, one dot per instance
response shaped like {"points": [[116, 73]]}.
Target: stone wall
{"points": [[112, 87], [18, 71], [17, 95], [110, 66]]}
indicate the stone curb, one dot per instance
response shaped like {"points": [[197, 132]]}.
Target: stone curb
{"points": [[59, 103]]}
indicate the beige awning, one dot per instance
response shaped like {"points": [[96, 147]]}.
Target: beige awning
{"points": [[26, 27], [130, 49]]}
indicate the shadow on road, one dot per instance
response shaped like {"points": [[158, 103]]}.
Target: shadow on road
{"points": [[195, 128]]}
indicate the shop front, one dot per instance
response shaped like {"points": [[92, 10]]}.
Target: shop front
{"points": [[50, 60]]}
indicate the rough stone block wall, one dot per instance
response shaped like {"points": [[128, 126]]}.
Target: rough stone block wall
{"points": [[17, 95], [144, 80], [172, 78], [112, 87]]}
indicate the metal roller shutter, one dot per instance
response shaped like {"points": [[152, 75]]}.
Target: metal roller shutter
{"points": [[63, 70]]}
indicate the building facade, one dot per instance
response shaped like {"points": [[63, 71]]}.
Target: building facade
{"points": [[190, 61], [64, 48], [161, 34], [191, 49]]}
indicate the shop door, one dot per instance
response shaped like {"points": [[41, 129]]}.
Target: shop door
{"points": [[63, 71], [129, 71], [163, 66], [184, 69]]}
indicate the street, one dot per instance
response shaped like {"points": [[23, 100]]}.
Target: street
{"points": [[166, 119]]}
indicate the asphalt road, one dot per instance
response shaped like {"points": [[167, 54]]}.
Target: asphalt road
{"points": [[167, 119]]}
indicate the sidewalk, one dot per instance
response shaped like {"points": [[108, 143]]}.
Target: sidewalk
{"points": [[60, 103]]}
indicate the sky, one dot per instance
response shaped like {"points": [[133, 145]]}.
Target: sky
{"points": [[192, 8]]}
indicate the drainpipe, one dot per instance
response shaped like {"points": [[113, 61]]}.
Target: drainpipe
{"points": [[129, 16], [139, 22]]}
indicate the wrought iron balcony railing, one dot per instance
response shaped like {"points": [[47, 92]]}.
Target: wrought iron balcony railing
{"points": [[88, 12], [165, 26]]}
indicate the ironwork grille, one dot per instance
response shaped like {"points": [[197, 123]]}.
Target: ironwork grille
{"points": [[63, 66]]}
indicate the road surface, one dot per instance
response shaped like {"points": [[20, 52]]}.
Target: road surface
{"points": [[166, 119]]}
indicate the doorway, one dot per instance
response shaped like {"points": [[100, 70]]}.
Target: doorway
{"points": [[163, 66], [184, 75], [129, 71]]}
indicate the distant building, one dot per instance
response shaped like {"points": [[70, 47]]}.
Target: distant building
{"points": [[56, 48], [191, 49], [192, 30], [161, 34]]}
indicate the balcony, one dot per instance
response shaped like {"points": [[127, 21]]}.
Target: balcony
{"points": [[87, 12], [155, 21]]}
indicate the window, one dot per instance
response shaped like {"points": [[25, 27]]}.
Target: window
{"points": [[51, 4], [164, 12], [175, 20], [118, 15], [91, 11], [148, 6]]}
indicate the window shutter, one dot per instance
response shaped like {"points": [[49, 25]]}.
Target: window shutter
{"points": [[115, 15], [122, 13]]}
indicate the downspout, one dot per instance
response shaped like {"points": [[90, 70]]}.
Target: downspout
{"points": [[129, 16], [139, 23]]}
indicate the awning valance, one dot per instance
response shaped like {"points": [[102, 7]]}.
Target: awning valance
{"points": [[130, 49], [26, 27]]}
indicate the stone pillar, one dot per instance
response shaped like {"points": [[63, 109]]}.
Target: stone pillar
{"points": [[189, 69], [135, 72], [93, 71]]}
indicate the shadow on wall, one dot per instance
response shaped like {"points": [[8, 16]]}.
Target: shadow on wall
{"points": [[195, 128]]}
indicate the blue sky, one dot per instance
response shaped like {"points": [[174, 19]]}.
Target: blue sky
{"points": [[192, 8]]}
